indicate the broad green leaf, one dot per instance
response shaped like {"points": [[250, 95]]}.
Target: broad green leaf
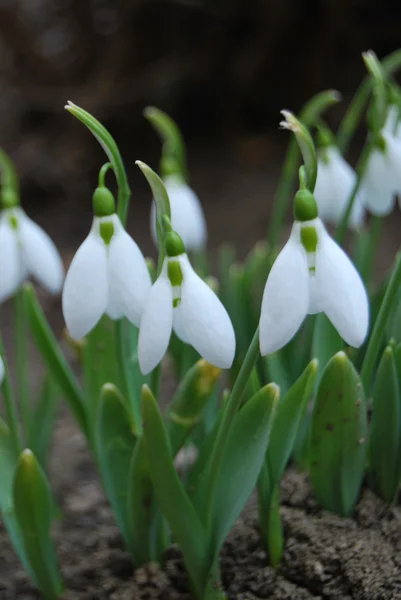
{"points": [[146, 522], [289, 415], [338, 437], [241, 462], [187, 405], [326, 341], [115, 446], [99, 363], [171, 495], [54, 359], [33, 505], [42, 425], [8, 463], [385, 430], [276, 371]]}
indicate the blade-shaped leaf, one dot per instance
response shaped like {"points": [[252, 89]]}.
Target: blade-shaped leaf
{"points": [[338, 437], [326, 341], [385, 430], [242, 460], [171, 495], [285, 427], [115, 446], [33, 505], [43, 421], [54, 359]]}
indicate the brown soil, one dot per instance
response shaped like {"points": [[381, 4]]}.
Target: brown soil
{"points": [[326, 557]]}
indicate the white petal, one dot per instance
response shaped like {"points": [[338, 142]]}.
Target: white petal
{"points": [[2, 370], [286, 296], [10, 269], [156, 324], [340, 292], [187, 216], [178, 325], [40, 255], [129, 279], [85, 293], [205, 321]]}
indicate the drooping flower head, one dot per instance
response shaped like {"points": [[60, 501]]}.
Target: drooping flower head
{"points": [[382, 178], [312, 274], [25, 250], [108, 273], [181, 301], [334, 184]]}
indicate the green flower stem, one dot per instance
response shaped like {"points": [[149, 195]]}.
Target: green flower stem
{"points": [[9, 176], [103, 172], [375, 341], [355, 110], [360, 171], [374, 239], [154, 382], [21, 351], [231, 408], [10, 405], [311, 111]]}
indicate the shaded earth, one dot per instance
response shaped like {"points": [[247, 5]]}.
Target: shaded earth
{"points": [[326, 557]]}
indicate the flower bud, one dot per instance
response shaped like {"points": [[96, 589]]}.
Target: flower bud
{"points": [[103, 202], [305, 207]]}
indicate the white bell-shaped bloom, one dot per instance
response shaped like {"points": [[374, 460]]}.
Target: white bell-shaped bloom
{"points": [[195, 313], [2, 370], [382, 177], [334, 184], [302, 283], [187, 217], [25, 251], [108, 274]]}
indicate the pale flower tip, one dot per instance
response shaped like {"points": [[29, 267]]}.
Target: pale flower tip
{"points": [[70, 105], [290, 122]]}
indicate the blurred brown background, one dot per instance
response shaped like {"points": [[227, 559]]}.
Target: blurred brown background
{"points": [[222, 68]]}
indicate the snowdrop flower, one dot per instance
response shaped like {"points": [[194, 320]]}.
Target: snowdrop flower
{"points": [[334, 184], [312, 274], [108, 274], [182, 301], [382, 178], [2, 370], [187, 217], [25, 251]]}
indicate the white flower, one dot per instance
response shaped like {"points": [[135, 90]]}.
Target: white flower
{"points": [[108, 274], [302, 283], [192, 309], [187, 217], [382, 178], [2, 370], [26, 250], [334, 185]]}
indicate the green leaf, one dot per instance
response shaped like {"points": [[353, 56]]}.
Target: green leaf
{"points": [[115, 447], [173, 158], [326, 341], [285, 426], [241, 463], [43, 421], [188, 403], [8, 462], [54, 359], [99, 362], [269, 518], [33, 505], [276, 370], [338, 437], [171, 495], [385, 430]]}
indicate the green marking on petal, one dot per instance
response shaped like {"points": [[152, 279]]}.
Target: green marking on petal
{"points": [[13, 222], [309, 238], [174, 273], [106, 231], [176, 302]]}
